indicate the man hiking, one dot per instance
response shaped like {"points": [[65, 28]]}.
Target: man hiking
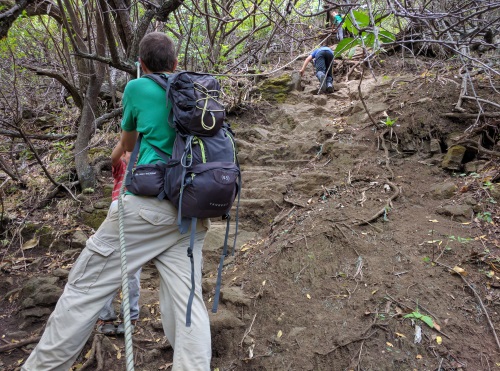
{"points": [[323, 62], [107, 316], [151, 234]]}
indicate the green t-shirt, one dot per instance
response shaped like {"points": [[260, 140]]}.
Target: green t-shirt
{"points": [[146, 111]]}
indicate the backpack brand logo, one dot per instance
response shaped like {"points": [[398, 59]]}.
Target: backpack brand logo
{"points": [[218, 205], [148, 173]]}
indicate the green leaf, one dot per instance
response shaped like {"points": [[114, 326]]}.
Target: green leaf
{"points": [[348, 24], [362, 18], [347, 45], [369, 39], [417, 315], [386, 36]]}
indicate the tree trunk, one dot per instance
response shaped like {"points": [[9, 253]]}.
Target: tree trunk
{"points": [[84, 170]]}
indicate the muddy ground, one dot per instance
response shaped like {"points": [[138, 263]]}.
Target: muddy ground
{"points": [[346, 227]]}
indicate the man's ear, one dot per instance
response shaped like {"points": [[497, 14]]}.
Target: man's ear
{"points": [[175, 65], [144, 68]]}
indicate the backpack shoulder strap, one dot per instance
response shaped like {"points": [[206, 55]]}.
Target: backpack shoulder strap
{"points": [[164, 81], [159, 78]]}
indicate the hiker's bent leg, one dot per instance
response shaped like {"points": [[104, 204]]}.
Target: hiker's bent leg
{"points": [[328, 58], [107, 312], [192, 345], [95, 276], [134, 292], [319, 63]]}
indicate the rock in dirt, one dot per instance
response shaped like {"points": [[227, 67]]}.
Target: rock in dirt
{"points": [[37, 312], [453, 158], [444, 191], [276, 89], [319, 100], [208, 284], [459, 212], [152, 355], [494, 190], [474, 166], [295, 331], [78, 240], [224, 320], [40, 291], [61, 273], [235, 296], [214, 239], [435, 147]]}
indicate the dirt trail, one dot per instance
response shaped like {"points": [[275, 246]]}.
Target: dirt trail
{"points": [[327, 294], [311, 289]]}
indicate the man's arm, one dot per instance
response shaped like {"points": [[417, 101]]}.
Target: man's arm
{"points": [[117, 154], [306, 62], [128, 140]]}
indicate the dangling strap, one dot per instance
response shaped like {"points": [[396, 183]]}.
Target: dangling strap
{"points": [[186, 156], [224, 250], [237, 213], [133, 158], [221, 265], [190, 255], [179, 209]]}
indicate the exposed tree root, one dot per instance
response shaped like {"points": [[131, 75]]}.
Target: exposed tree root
{"points": [[386, 151], [6, 348], [387, 204], [95, 355]]}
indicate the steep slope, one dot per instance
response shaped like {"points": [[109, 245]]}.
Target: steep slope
{"points": [[349, 218]]}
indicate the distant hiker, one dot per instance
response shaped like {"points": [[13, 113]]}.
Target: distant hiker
{"points": [[107, 316], [323, 61], [151, 234], [337, 25]]}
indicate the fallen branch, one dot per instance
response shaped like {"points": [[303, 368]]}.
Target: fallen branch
{"points": [[247, 331], [455, 115], [55, 191], [482, 101], [21, 343], [13, 134], [363, 101], [478, 298], [463, 91]]}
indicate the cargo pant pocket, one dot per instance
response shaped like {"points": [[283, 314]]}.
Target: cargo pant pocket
{"points": [[90, 264], [157, 219]]}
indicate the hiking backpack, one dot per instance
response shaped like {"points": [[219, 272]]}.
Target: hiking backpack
{"points": [[202, 177]]}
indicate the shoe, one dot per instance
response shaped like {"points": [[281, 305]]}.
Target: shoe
{"points": [[329, 89], [120, 330], [107, 328], [322, 84]]}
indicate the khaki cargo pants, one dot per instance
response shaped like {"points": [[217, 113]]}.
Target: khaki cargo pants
{"points": [[151, 233]]}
